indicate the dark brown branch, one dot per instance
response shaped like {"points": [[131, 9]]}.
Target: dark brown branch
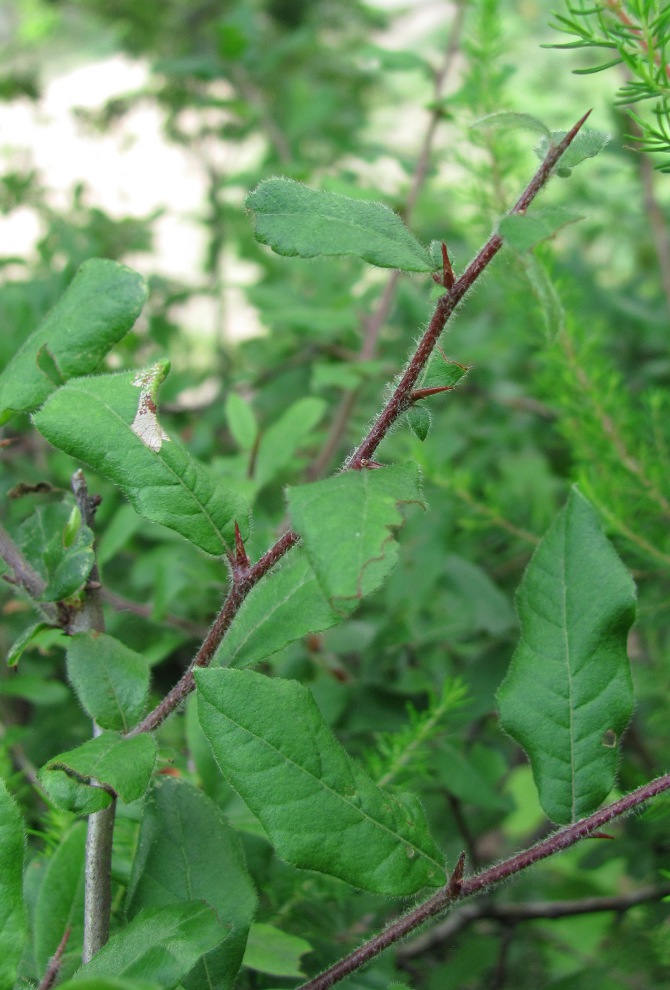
{"points": [[398, 403], [489, 910], [447, 896]]}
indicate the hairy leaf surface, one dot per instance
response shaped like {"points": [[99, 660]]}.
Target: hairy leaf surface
{"points": [[160, 944], [347, 524], [110, 679], [97, 309], [188, 851], [13, 922], [296, 220], [100, 421], [321, 811], [287, 605], [125, 765], [568, 694]]}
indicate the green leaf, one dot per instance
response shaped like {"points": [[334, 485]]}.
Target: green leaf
{"points": [[295, 220], [111, 680], [63, 559], [98, 308], [270, 950], [241, 421], [523, 231], [109, 424], [125, 765], [442, 373], [160, 944], [280, 441], [569, 689], [347, 524], [186, 851], [321, 811], [287, 605], [587, 144], [107, 983], [23, 642], [547, 296], [35, 688], [510, 120], [418, 418], [13, 919], [60, 902]]}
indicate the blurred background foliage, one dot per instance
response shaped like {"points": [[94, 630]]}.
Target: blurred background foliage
{"points": [[569, 382]]}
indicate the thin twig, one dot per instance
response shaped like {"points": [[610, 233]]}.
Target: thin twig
{"points": [[532, 911], [453, 892], [53, 969], [122, 604], [395, 407], [25, 576]]}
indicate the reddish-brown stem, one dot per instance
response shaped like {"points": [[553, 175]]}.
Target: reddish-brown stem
{"points": [[211, 643], [362, 457], [458, 891], [55, 962], [446, 305]]}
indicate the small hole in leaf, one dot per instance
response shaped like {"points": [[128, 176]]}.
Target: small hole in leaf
{"points": [[609, 739]]}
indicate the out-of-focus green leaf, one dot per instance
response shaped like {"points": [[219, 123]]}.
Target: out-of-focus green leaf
{"points": [[587, 144], [320, 809], [270, 950], [568, 695], [296, 220], [280, 441], [522, 231], [60, 902], [13, 919], [98, 308], [241, 421]]}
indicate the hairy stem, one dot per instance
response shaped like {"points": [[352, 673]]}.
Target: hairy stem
{"points": [[480, 882], [395, 407]]}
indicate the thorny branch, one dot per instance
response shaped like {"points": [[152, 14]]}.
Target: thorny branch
{"points": [[245, 581], [457, 889]]}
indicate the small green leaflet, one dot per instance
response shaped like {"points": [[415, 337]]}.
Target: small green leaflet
{"points": [[97, 309], [13, 920], [320, 809], [587, 144], [61, 556], [505, 120], [522, 231], [295, 220], [122, 765], [352, 559], [568, 695], [110, 423]]}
